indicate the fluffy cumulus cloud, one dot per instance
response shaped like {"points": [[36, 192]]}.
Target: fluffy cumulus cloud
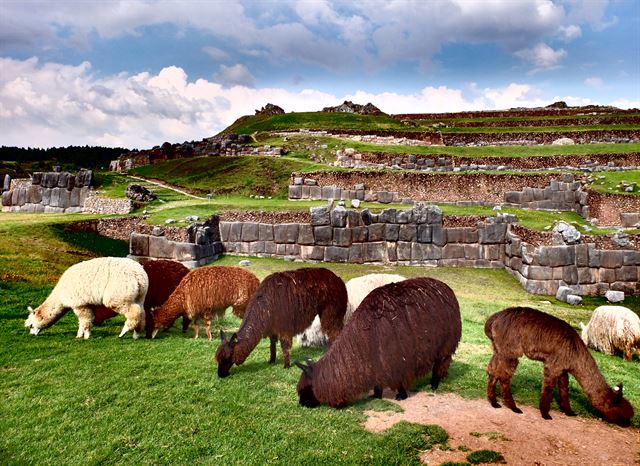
{"points": [[333, 34], [237, 74], [50, 104]]}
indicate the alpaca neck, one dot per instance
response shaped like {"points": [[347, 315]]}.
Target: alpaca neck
{"points": [[334, 383], [250, 333], [169, 312], [50, 311], [586, 372]]}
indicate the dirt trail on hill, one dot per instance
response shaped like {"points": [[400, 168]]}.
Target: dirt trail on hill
{"points": [[167, 186], [523, 439]]}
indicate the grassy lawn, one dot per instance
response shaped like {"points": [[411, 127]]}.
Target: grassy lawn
{"points": [[538, 129], [110, 400], [614, 182], [490, 119]]}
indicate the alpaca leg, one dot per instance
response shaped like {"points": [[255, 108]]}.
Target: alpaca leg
{"points": [[377, 392], [207, 327], [272, 348], [185, 324], [440, 370], [491, 391], [563, 392], [196, 327], [505, 369], [134, 314], [285, 344], [85, 320], [548, 384], [402, 394]]}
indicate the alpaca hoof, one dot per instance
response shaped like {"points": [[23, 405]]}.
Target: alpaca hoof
{"points": [[401, 395], [517, 410], [136, 334], [377, 392], [570, 413], [547, 417], [495, 404]]}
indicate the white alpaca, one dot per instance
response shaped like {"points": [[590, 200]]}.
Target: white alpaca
{"points": [[611, 329], [115, 282], [357, 289]]}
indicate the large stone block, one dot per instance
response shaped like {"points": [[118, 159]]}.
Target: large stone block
{"points": [[587, 275], [265, 232], [292, 249], [315, 193], [455, 235], [403, 251], [391, 231], [285, 233], [631, 257], [405, 216], [34, 194], [407, 232], [453, 251], [270, 248], [423, 233], [606, 275], [63, 179], [336, 254], [160, 247], [6, 198], [342, 236], [323, 235], [138, 245], [491, 252], [491, 233], [305, 234], [367, 217], [55, 197], [320, 216], [64, 199], [555, 256], [629, 288], [385, 197], [594, 256], [387, 216], [431, 251], [256, 248], [359, 234], [339, 217], [546, 287], [281, 249], [313, 253], [356, 254], [570, 274], [611, 259], [249, 231], [392, 252], [354, 219], [376, 231], [74, 197], [6, 185], [374, 252], [295, 192], [472, 251], [438, 236], [235, 232], [627, 273], [513, 197], [582, 255], [186, 251], [225, 228]]}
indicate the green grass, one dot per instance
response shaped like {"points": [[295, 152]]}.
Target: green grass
{"points": [[315, 120], [110, 400], [485, 456], [538, 129], [266, 176], [614, 182], [490, 119], [298, 143]]}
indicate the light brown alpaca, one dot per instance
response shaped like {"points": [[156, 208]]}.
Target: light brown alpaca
{"points": [[205, 293], [520, 330]]}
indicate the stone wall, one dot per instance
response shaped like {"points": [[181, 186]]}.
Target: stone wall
{"points": [[419, 237], [104, 205], [558, 195], [610, 209], [203, 246], [54, 192]]}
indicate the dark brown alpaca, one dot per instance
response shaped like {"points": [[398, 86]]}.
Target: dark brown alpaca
{"points": [[164, 277], [284, 305], [206, 293], [521, 330], [399, 332]]}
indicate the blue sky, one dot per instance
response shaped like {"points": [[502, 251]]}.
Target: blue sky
{"points": [[139, 72]]}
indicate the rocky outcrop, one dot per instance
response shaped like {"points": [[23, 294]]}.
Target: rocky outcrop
{"points": [[349, 107], [270, 110], [139, 193]]}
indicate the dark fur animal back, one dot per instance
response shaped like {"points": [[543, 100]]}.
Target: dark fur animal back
{"points": [[521, 330], [284, 305], [164, 277], [399, 332]]}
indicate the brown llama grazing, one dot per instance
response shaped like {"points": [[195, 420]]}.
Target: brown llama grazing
{"points": [[164, 277], [205, 293], [400, 331], [521, 330], [283, 306]]}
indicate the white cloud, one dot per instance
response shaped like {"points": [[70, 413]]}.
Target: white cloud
{"points": [[49, 104], [216, 53], [594, 82], [625, 103], [542, 56], [235, 75], [570, 32]]}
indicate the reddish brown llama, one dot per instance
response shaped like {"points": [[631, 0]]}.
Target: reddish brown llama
{"points": [[521, 330], [164, 277], [399, 332], [283, 306], [206, 293]]}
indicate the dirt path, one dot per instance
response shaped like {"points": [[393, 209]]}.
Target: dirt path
{"points": [[167, 186], [524, 439]]}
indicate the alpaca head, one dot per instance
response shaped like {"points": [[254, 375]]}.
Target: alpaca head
{"points": [[33, 321], [224, 354], [305, 385], [617, 409]]}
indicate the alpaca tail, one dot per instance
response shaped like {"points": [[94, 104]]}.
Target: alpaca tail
{"points": [[488, 325]]}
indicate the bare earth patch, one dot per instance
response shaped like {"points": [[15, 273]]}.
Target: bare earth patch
{"points": [[523, 439]]}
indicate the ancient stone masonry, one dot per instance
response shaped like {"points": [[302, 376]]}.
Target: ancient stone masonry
{"points": [[55, 192], [558, 195], [386, 138], [418, 236], [540, 137], [203, 245]]}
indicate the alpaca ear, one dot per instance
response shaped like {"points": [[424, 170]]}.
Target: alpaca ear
{"points": [[223, 338], [308, 370], [234, 338], [582, 326], [618, 397], [31, 311]]}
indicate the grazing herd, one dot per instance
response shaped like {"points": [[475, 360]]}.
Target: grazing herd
{"points": [[382, 330]]}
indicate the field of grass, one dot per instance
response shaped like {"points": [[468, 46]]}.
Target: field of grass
{"points": [[537, 129], [614, 182], [533, 119], [160, 401]]}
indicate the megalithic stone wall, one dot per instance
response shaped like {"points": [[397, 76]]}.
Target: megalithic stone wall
{"points": [[559, 195], [49, 192]]}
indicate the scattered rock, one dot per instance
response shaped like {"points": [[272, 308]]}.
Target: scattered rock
{"points": [[563, 292], [563, 142], [355, 203], [244, 263], [614, 296], [269, 110], [349, 107], [157, 231], [570, 235], [574, 299], [170, 220], [139, 193], [289, 258], [621, 240], [192, 218]]}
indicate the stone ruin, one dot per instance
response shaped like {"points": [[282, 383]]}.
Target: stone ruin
{"points": [[270, 110], [349, 107]]}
